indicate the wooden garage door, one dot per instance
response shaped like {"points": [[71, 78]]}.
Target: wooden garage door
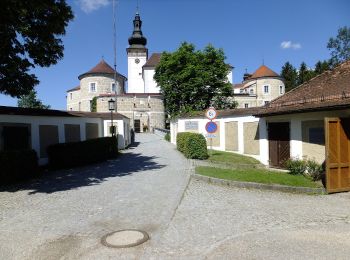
{"points": [[337, 154], [279, 147]]}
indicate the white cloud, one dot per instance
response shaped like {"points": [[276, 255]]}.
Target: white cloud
{"points": [[290, 45], [89, 6]]}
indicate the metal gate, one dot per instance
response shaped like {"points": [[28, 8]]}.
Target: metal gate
{"points": [[337, 131]]}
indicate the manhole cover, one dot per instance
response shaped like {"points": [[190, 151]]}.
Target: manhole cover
{"points": [[125, 238]]}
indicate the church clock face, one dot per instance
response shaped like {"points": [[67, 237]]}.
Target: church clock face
{"points": [[137, 61]]}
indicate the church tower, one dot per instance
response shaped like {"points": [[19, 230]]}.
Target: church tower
{"points": [[137, 57]]}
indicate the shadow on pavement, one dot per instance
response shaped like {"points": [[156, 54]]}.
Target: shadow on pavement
{"points": [[125, 164]]}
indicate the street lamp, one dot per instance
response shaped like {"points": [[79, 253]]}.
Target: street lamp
{"points": [[111, 107]]}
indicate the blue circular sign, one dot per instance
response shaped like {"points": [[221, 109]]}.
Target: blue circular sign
{"points": [[211, 127]]}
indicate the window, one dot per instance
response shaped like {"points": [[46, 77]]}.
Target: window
{"points": [[92, 87], [266, 103], [113, 87], [281, 90], [251, 91], [246, 105], [71, 96], [316, 135], [266, 89], [241, 91]]}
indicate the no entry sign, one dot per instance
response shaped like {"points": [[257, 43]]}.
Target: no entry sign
{"points": [[211, 127]]}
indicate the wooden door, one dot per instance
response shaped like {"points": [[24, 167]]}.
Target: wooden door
{"points": [[337, 131], [279, 147]]}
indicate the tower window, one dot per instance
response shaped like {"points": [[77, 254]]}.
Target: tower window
{"points": [[246, 105], [281, 90], [93, 87], [113, 87], [71, 96], [266, 89]]}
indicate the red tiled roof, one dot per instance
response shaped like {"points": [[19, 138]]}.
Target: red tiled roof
{"points": [[101, 68], [73, 89], [331, 89], [153, 60], [264, 71]]}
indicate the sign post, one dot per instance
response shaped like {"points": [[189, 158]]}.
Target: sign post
{"points": [[211, 127]]}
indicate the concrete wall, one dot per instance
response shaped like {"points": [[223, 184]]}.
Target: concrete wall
{"points": [[221, 141], [46, 130], [311, 149]]}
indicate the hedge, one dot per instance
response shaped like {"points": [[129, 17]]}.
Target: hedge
{"points": [[18, 165], [66, 155], [192, 145]]}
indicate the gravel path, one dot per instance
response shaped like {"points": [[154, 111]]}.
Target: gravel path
{"points": [[64, 215]]}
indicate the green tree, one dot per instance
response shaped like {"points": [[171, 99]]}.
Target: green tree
{"points": [[31, 101], [304, 74], [189, 79], [321, 66], [290, 75], [340, 46], [29, 36]]}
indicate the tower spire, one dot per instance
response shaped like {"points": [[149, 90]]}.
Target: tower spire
{"points": [[137, 40]]}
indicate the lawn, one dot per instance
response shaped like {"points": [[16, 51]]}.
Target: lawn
{"points": [[257, 175], [230, 158]]}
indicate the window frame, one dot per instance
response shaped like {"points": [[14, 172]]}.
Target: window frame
{"points": [[90, 84], [281, 90], [268, 89]]}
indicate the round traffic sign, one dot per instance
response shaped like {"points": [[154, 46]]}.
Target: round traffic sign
{"points": [[211, 127], [211, 113]]}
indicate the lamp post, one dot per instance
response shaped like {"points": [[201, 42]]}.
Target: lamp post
{"points": [[111, 107]]}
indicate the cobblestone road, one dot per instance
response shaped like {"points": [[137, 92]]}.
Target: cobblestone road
{"points": [[64, 216]]}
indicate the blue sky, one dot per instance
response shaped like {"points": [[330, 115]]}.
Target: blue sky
{"points": [[248, 31]]}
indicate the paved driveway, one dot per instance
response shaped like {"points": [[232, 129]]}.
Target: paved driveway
{"points": [[64, 215]]}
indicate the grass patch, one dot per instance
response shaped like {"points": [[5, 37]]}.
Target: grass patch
{"points": [[230, 158], [257, 175]]}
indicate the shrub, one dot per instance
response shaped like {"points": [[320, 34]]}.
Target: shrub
{"points": [[296, 166], [18, 165], [314, 170], [192, 145], [167, 137], [65, 155], [181, 140], [196, 147]]}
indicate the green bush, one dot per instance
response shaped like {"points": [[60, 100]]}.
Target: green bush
{"points": [[181, 139], [192, 145], [296, 166], [314, 170], [66, 155], [18, 165], [167, 137]]}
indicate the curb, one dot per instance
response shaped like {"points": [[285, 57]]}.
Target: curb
{"points": [[226, 165], [259, 186]]}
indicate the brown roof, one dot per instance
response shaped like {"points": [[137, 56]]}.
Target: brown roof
{"points": [[330, 90], [73, 89], [101, 68], [263, 71], [153, 60], [5, 110]]}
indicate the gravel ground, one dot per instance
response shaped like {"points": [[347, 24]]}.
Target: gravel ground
{"points": [[64, 215]]}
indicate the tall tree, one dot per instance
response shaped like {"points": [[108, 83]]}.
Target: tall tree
{"points": [[340, 46], [304, 74], [190, 79], [29, 36], [321, 66], [31, 101], [290, 75]]}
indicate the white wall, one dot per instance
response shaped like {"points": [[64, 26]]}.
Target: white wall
{"points": [[150, 83], [122, 131], [135, 80], [35, 121]]}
